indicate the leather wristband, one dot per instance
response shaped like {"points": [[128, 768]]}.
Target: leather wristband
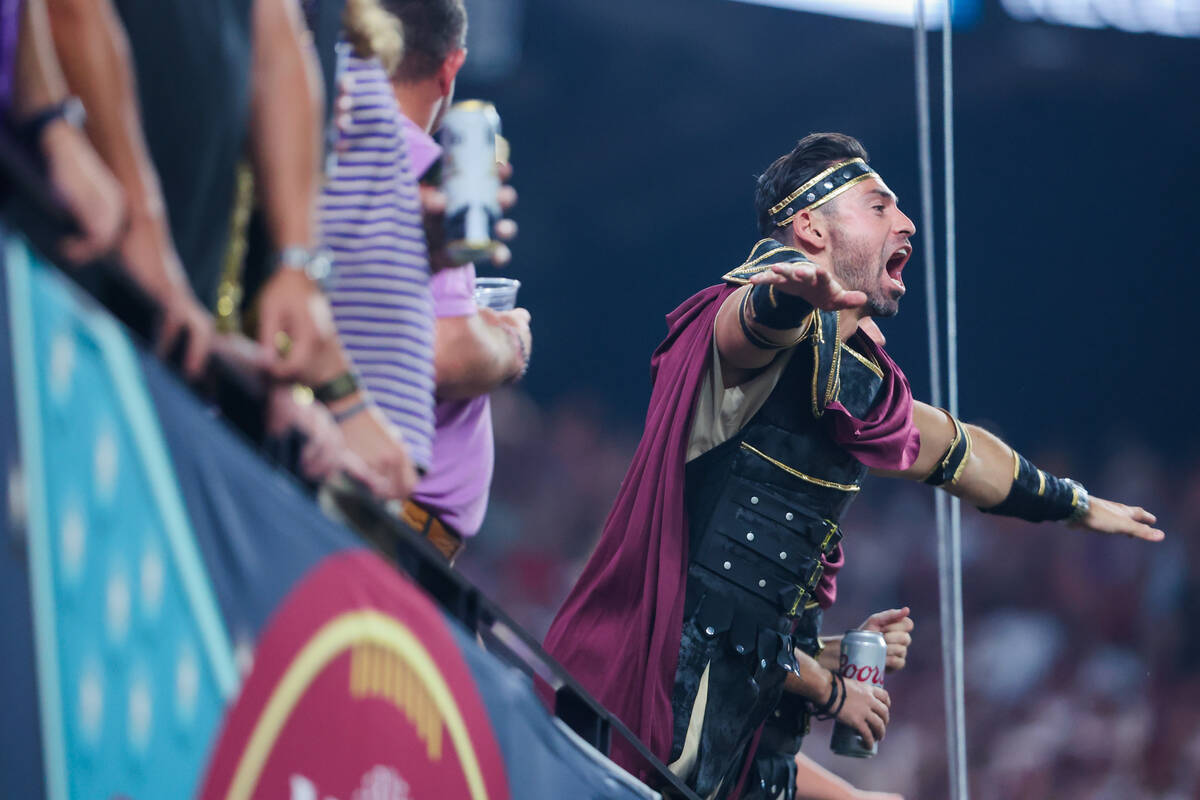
{"points": [[778, 310], [949, 469], [339, 388], [1038, 496]]}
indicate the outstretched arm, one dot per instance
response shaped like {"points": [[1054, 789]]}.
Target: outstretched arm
{"points": [[969, 462], [772, 314]]}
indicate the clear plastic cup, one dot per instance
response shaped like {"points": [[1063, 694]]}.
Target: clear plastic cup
{"points": [[498, 294]]}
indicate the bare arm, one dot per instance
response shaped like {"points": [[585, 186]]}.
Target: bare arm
{"points": [[477, 353], [285, 122], [814, 782], [95, 56], [742, 353], [83, 183], [987, 476]]}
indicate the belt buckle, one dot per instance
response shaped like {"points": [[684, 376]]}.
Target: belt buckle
{"points": [[832, 536]]}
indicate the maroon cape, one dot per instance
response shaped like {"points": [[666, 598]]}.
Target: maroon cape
{"points": [[618, 630]]}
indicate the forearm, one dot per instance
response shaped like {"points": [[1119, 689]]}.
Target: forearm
{"points": [[988, 475], [811, 680], [94, 54], [38, 80], [285, 121], [473, 356], [744, 342], [814, 782]]}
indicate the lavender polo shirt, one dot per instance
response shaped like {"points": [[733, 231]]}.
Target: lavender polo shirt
{"points": [[456, 486]]}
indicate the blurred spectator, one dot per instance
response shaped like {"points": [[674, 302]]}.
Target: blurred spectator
{"points": [[35, 100], [249, 78], [476, 349]]}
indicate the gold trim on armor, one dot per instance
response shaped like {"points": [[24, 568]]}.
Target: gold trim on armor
{"points": [[869, 363], [842, 487], [1041, 483], [750, 267], [962, 465]]}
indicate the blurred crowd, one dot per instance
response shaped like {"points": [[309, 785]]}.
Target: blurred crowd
{"points": [[268, 172], [1082, 651]]}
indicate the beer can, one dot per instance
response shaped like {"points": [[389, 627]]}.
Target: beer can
{"points": [[864, 657], [471, 147]]}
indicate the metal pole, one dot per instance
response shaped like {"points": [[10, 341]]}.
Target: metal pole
{"points": [[958, 756], [948, 523]]}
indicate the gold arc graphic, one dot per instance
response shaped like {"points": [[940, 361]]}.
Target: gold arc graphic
{"points": [[335, 637]]}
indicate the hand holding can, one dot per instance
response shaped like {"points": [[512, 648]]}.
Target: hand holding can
{"points": [[864, 658]]}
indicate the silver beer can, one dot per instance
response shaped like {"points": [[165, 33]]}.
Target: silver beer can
{"points": [[864, 657], [471, 149]]}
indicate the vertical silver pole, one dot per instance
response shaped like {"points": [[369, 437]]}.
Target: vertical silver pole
{"points": [[958, 756], [948, 519]]}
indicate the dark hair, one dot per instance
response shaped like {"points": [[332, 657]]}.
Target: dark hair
{"points": [[433, 29], [811, 154]]}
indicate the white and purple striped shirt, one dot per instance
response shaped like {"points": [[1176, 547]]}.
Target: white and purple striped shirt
{"points": [[370, 216]]}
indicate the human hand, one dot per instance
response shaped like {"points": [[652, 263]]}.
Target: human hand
{"points": [[325, 451], [433, 205], [369, 435], [814, 283], [867, 710], [896, 626], [292, 310], [1108, 516], [87, 188], [150, 257], [517, 321]]}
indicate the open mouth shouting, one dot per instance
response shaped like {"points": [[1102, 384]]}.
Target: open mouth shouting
{"points": [[895, 265]]}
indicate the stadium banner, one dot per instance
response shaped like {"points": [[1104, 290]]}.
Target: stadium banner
{"points": [[181, 620]]}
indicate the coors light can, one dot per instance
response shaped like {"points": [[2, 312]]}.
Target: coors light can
{"points": [[471, 147], [864, 656]]}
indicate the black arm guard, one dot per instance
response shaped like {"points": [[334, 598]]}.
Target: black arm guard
{"points": [[1037, 496], [954, 460], [778, 310]]}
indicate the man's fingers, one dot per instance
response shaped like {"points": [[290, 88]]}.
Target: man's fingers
{"points": [[506, 230], [882, 620], [1140, 514], [501, 256], [78, 250], [883, 712], [433, 200], [507, 197], [1145, 532], [505, 170], [865, 731]]}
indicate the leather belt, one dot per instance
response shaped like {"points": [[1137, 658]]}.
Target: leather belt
{"points": [[447, 540]]}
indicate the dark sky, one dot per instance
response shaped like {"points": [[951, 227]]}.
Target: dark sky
{"points": [[638, 128]]}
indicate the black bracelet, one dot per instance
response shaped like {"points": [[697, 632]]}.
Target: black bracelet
{"points": [[340, 387], [1038, 496], [69, 109], [824, 710], [842, 702], [954, 460], [346, 414], [778, 310], [755, 338]]}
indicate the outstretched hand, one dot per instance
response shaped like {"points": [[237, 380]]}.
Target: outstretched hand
{"points": [[1107, 516], [815, 284], [896, 626]]}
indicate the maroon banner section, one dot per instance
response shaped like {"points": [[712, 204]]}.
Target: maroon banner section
{"points": [[358, 691]]}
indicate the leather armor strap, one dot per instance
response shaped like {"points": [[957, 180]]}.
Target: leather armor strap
{"points": [[1038, 496], [950, 468]]}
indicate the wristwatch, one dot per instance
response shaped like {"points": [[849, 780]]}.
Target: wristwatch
{"points": [[1080, 502], [316, 263], [70, 109]]}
